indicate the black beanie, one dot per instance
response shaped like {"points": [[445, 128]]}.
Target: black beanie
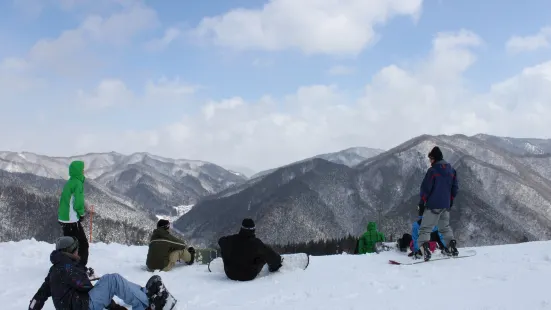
{"points": [[248, 224], [163, 223], [436, 154]]}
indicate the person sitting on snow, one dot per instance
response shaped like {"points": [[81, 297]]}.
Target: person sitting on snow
{"points": [[165, 250], [367, 241], [244, 255], [436, 239], [71, 289]]}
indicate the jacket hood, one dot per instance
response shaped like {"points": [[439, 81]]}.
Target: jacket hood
{"points": [[76, 170], [372, 226], [58, 257], [159, 233]]}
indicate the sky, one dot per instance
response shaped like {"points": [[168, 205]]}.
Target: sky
{"points": [[260, 84]]}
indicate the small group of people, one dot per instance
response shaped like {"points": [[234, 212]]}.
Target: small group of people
{"points": [[69, 280]]}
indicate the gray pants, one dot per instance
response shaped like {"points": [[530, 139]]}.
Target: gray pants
{"points": [[437, 217]]}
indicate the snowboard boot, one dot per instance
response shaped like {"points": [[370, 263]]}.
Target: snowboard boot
{"points": [[191, 251], [452, 248], [156, 293], [425, 249]]}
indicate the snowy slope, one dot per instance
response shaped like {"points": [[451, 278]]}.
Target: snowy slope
{"points": [[498, 277]]}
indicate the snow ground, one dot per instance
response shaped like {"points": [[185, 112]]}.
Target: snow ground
{"points": [[499, 277]]}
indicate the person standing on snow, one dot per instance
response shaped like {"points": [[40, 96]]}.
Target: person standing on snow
{"points": [[72, 210], [165, 250], [71, 289], [367, 241], [438, 190], [244, 255]]}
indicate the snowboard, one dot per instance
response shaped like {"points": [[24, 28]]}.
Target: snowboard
{"points": [[411, 261], [290, 262]]}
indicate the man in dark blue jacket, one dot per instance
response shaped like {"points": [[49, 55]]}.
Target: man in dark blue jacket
{"points": [[70, 288], [438, 190]]}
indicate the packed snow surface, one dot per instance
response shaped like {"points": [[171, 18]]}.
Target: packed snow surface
{"points": [[499, 277]]}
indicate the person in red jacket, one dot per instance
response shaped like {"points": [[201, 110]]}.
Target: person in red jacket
{"points": [[438, 190], [71, 289]]}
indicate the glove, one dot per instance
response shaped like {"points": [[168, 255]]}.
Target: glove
{"points": [[191, 250], [421, 208], [36, 304], [82, 217]]}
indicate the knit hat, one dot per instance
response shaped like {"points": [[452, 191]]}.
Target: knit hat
{"points": [[163, 223], [248, 224], [436, 154], [66, 244]]}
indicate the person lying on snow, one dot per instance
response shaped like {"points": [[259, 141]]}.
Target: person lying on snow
{"points": [[71, 289], [165, 250], [244, 255], [436, 239], [367, 241]]}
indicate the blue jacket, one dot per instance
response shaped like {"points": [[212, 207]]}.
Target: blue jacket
{"points": [[415, 234], [439, 186], [67, 284]]}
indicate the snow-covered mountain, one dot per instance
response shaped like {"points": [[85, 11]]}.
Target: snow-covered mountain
{"points": [[520, 146], [352, 282], [349, 157], [150, 181], [500, 191]]}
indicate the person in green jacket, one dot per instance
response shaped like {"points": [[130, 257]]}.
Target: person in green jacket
{"points": [[165, 250], [72, 210], [369, 239]]}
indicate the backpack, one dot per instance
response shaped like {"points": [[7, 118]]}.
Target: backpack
{"points": [[403, 243]]}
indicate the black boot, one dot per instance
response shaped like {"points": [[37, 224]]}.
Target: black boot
{"points": [[156, 293], [452, 247], [191, 251], [426, 251]]}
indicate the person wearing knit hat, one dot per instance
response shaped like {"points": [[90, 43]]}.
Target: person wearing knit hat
{"points": [[166, 250], [244, 255], [438, 191], [70, 287]]}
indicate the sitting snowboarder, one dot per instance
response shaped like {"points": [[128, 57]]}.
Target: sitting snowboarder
{"points": [[244, 255], [436, 239], [165, 250], [71, 289], [369, 239]]}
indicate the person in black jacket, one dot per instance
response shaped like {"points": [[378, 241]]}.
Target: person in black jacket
{"points": [[244, 255], [71, 289]]}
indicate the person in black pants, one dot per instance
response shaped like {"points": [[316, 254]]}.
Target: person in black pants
{"points": [[72, 210], [76, 230]]}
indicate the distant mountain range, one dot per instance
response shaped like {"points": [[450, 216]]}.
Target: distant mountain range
{"points": [[349, 157], [127, 190], [505, 194]]}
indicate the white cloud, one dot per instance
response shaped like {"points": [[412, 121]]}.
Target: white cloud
{"points": [[341, 70], [170, 35], [399, 103], [540, 40], [111, 92], [312, 26], [73, 51]]}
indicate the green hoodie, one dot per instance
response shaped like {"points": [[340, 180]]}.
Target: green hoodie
{"points": [[369, 238], [71, 203]]}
